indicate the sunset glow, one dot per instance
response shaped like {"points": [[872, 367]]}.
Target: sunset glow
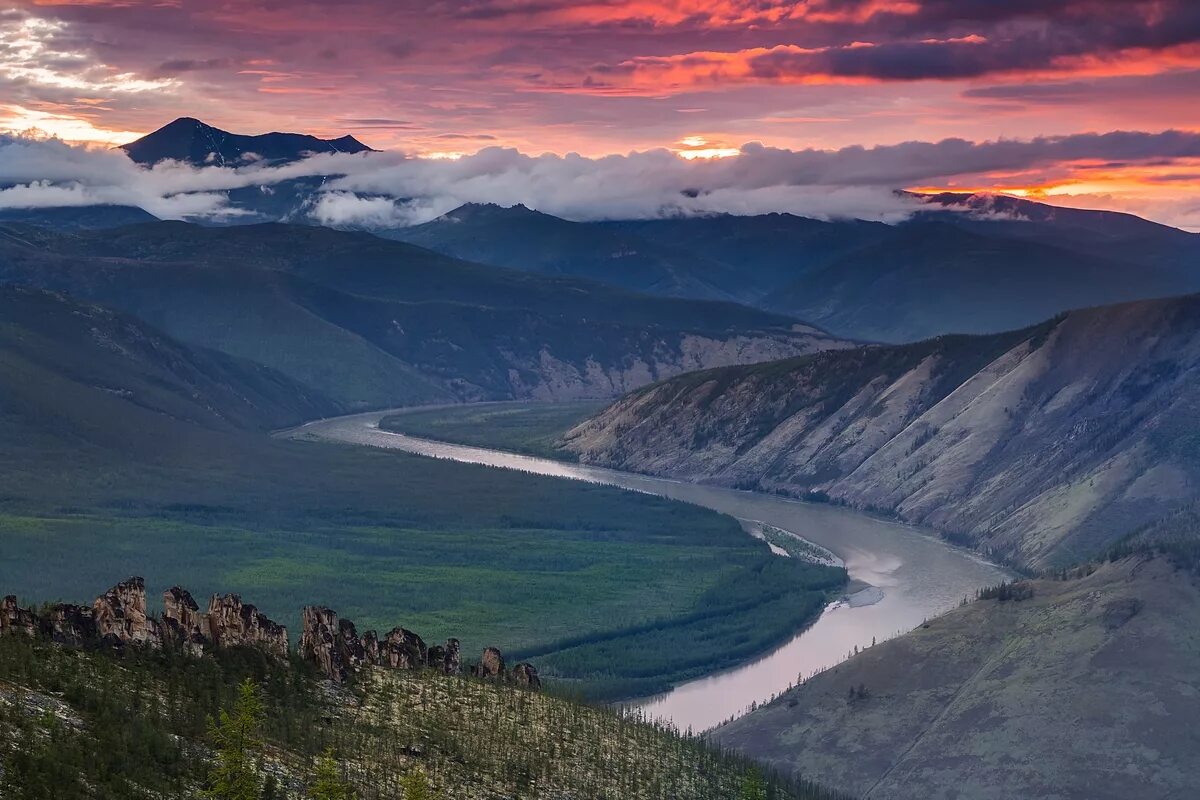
{"points": [[614, 76]]}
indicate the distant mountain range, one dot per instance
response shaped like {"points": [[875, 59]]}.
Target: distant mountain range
{"points": [[195, 142], [990, 265], [1042, 446], [963, 263], [366, 323]]}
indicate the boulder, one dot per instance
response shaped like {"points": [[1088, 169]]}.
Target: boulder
{"points": [[232, 623], [526, 676], [14, 619], [121, 617]]}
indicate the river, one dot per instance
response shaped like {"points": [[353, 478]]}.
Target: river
{"points": [[912, 576]]}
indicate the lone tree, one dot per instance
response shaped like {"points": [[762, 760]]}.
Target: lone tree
{"points": [[327, 782], [236, 737]]}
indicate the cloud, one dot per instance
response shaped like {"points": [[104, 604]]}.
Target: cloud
{"points": [[391, 189]]}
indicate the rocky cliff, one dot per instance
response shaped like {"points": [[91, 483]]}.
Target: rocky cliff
{"points": [[119, 618], [1043, 445]]}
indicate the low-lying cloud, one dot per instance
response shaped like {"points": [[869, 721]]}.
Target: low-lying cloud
{"points": [[379, 190]]}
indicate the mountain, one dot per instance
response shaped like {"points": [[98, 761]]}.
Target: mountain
{"points": [[520, 238], [374, 323], [765, 251], [192, 141], [1081, 688], [1101, 233], [962, 264], [75, 218], [933, 277], [1041, 446]]}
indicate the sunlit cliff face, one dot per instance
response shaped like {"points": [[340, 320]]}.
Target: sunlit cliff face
{"points": [[445, 79]]}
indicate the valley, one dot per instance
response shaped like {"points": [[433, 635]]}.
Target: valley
{"points": [[905, 576]]}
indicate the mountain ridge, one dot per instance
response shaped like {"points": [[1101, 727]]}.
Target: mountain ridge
{"points": [[1041, 446]]}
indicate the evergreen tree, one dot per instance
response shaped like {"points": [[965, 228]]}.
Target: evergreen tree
{"points": [[754, 787], [416, 785], [327, 783], [236, 737]]}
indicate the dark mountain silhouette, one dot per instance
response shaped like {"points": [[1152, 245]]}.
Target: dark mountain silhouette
{"points": [[190, 140]]}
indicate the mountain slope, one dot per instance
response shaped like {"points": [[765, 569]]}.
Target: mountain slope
{"points": [[375, 323], [1042, 446], [1087, 690], [519, 238], [1105, 234], [196, 143], [82, 372], [77, 725]]}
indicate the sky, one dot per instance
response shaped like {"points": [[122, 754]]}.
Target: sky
{"points": [[1043, 80]]}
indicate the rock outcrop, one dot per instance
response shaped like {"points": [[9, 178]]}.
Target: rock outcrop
{"points": [[14, 619], [333, 646], [228, 623], [182, 621], [491, 664], [452, 658], [121, 617], [232, 623], [526, 676]]}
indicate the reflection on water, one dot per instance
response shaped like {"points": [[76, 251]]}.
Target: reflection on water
{"points": [[919, 576]]}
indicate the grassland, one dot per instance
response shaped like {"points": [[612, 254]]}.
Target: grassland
{"points": [[528, 428]]}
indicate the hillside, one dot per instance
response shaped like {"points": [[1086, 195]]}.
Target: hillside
{"points": [[75, 375], [1040, 446], [1088, 689], [194, 142], [135, 721], [376, 323]]}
